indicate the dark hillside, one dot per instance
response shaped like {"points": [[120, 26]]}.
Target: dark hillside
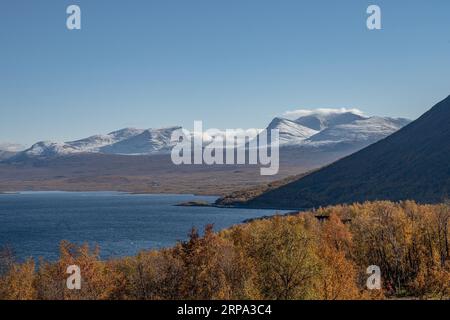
{"points": [[413, 163]]}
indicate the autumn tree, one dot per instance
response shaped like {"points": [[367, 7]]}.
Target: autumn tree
{"points": [[285, 259], [211, 267], [338, 273], [19, 282]]}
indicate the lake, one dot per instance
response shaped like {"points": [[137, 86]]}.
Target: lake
{"points": [[34, 223]]}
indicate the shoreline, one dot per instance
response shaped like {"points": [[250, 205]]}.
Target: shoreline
{"points": [[111, 191], [213, 205], [189, 203]]}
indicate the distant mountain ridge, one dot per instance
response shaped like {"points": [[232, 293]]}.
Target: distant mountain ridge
{"points": [[146, 142], [343, 132], [138, 160], [320, 121], [290, 131], [412, 163], [128, 141], [326, 131]]}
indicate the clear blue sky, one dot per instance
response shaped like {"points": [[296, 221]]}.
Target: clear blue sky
{"points": [[230, 63]]}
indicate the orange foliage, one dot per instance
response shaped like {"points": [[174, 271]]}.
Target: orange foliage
{"points": [[322, 254]]}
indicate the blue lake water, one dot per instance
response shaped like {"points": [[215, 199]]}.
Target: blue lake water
{"points": [[34, 223]]}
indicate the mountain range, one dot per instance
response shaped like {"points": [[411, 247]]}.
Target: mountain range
{"points": [[325, 132], [412, 163], [138, 160]]}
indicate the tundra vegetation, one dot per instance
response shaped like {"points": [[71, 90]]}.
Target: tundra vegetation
{"points": [[321, 254]]}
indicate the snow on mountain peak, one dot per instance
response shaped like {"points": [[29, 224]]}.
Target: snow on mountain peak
{"points": [[319, 128], [96, 142], [125, 133], [149, 141], [124, 141], [290, 131], [319, 121], [48, 149], [331, 127], [361, 130]]}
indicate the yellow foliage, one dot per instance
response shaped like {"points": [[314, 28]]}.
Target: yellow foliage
{"points": [[323, 254]]}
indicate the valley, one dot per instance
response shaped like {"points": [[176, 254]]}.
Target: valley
{"points": [[142, 174]]}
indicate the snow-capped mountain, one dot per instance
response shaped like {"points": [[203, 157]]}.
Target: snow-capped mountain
{"points": [[291, 132], [97, 142], [128, 141], [327, 129], [321, 130], [46, 149], [149, 141], [362, 130], [321, 120]]}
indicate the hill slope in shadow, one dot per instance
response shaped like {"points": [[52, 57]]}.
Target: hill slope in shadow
{"points": [[413, 163]]}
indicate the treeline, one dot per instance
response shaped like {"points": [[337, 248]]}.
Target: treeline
{"points": [[323, 254]]}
